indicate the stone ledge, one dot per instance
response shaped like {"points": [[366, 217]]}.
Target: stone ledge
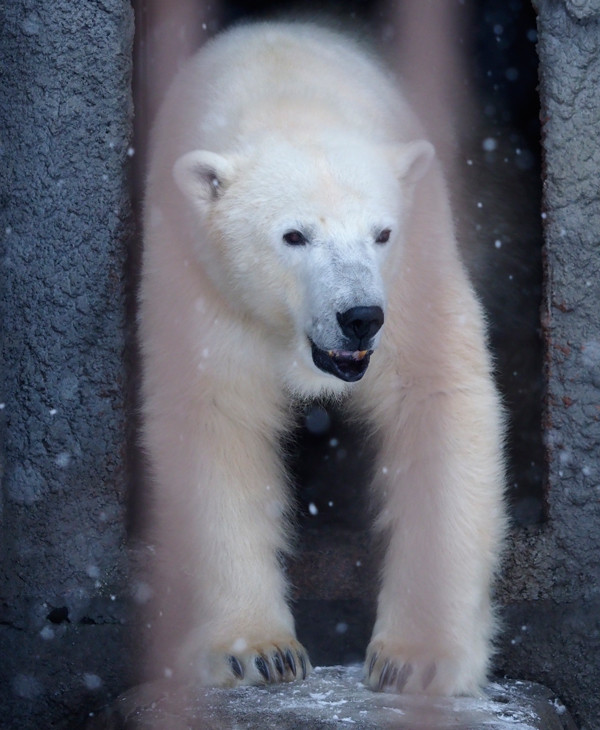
{"points": [[332, 697]]}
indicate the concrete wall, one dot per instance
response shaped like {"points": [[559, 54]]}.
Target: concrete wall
{"points": [[552, 585], [65, 120]]}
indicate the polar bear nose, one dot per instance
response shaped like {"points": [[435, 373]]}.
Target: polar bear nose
{"points": [[360, 325]]}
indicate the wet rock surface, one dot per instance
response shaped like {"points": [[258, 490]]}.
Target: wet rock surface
{"points": [[331, 697]]}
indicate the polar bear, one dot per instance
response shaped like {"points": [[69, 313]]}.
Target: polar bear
{"points": [[299, 244]]}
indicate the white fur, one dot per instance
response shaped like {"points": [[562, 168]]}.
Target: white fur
{"points": [[278, 127]]}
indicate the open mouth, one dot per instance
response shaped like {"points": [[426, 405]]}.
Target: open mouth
{"points": [[344, 364]]}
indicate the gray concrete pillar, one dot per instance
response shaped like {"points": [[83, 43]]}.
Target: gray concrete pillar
{"points": [[553, 575], [65, 223]]}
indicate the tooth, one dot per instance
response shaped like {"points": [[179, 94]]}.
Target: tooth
{"points": [[360, 354]]}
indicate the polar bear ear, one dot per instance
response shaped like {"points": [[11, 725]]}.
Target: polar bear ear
{"points": [[202, 175], [413, 160]]}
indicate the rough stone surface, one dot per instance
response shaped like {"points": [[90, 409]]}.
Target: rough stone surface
{"points": [[332, 697], [583, 9], [570, 58], [551, 586], [65, 117]]}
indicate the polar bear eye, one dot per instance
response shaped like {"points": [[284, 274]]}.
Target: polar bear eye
{"points": [[384, 236], [294, 238]]}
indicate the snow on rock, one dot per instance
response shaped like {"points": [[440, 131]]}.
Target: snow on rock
{"points": [[334, 697]]}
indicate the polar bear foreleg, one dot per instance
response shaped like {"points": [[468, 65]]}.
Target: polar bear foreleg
{"points": [[441, 482], [222, 504]]}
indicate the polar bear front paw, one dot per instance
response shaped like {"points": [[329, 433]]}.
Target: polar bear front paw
{"points": [[393, 668], [258, 663]]}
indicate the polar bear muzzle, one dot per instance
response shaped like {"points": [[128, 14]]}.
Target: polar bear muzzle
{"points": [[359, 326]]}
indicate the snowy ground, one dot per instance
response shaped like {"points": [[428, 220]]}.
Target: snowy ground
{"points": [[332, 697]]}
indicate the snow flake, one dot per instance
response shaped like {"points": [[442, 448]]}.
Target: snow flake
{"points": [[63, 459], [239, 645], [92, 681], [142, 592], [47, 633], [565, 457], [274, 509], [317, 420]]}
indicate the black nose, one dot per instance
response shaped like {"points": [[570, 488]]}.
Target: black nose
{"points": [[360, 324]]}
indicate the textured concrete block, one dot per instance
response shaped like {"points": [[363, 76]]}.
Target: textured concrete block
{"points": [[65, 222], [552, 581]]}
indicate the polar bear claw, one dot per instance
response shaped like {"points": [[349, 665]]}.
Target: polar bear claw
{"points": [[391, 667], [259, 664]]}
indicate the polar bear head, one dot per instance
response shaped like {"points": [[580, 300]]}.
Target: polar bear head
{"points": [[303, 239]]}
